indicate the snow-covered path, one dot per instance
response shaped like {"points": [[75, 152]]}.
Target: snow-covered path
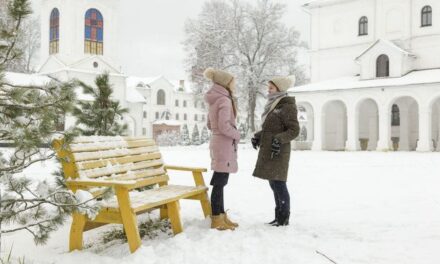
{"points": [[369, 207]]}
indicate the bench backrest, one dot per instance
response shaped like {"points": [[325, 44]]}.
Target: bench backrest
{"points": [[111, 158]]}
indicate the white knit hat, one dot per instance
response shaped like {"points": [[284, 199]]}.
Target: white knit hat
{"points": [[218, 76], [284, 83]]}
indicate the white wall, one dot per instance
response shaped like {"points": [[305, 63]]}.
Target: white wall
{"points": [[335, 42]]}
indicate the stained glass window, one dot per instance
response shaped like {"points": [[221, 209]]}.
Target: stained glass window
{"points": [[54, 31], [94, 32]]}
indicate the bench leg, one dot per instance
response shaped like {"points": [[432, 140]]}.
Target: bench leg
{"points": [[163, 212], [206, 204], [76, 231], [128, 219], [174, 215]]}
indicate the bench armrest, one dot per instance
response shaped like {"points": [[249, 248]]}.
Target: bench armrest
{"points": [[181, 168]]}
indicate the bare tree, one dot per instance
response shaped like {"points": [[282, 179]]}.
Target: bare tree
{"points": [[249, 40]]}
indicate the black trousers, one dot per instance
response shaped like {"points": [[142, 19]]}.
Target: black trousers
{"points": [[281, 195], [219, 181]]}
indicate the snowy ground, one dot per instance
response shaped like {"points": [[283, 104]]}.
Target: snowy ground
{"points": [[358, 207]]}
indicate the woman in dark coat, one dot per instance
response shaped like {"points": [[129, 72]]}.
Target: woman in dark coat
{"points": [[279, 127]]}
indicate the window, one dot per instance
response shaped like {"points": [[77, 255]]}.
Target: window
{"points": [[177, 103], [54, 31], [94, 32], [395, 115], [203, 117], [144, 131], [383, 66], [145, 114], [184, 103], [160, 97], [157, 115], [184, 117], [195, 117], [195, 104], [177, 116], [203, 105], [363, 26], [426, 16]]}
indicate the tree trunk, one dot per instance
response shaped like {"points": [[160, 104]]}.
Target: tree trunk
{"points": [[252, 106]]}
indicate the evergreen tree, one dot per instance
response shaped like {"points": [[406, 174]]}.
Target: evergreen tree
{"points": [[195, 139], [205, 135], [28, 120], [100, 116], [185, 140]]}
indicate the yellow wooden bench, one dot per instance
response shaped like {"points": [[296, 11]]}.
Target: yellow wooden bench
{"points": [[125, 164]]}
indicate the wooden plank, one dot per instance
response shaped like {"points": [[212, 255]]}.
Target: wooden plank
{"points": [[89, 139], [118, 168], [85, 184], [95, 146], [129, 219], [180, 168], [76, 231], [150, 181], [130, 184], [119, 160], [194, 192], [108, 216], [92, 225], [174, 216], [113, 153], [66, 158]]}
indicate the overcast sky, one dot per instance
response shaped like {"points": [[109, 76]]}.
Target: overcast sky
{"points": [[155, 29]]}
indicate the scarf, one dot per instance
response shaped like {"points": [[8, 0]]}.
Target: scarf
{"points": [[272, 101]]}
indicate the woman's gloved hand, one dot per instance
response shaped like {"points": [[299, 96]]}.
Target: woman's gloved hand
{"points": [[255, 142]]}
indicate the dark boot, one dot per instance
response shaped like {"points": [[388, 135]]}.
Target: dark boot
{"points": [[283, 219], [275, 221]]}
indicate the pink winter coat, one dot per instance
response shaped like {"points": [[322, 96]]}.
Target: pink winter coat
{"points": [[225, 136]]}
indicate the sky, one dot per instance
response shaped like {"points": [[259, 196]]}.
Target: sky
{"points": [[156, 32]]}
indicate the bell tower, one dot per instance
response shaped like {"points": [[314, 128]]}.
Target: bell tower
{"points": [[74, 30]]}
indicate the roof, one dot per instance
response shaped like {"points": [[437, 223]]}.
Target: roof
{"points": [[386, 42], [24, 79], [133, 96], [354, 82], [319, 3], [133, 81]]}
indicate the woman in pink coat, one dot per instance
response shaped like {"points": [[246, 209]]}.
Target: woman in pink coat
{"points": [[223, 143]]}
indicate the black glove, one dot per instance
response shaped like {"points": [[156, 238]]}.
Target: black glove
{"points": [[276, 148], [255, 142]]}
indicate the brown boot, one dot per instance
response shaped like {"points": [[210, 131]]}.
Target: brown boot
{"points": [[218, 222], [229, 222]]}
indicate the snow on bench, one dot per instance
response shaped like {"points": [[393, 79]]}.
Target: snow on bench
{"points": [[128, 165]]}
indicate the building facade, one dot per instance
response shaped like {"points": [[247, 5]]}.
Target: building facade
{"points": [[375, 71], [80, 40]]}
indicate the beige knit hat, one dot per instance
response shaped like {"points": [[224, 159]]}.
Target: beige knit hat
{"points": [[220, 77], [284, 83]]}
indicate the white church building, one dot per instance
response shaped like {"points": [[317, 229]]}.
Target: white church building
{"points": [[79, 40], [375, 76]]}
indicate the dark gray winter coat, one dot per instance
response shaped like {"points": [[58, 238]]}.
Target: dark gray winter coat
{"points": [[281, 123]]}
